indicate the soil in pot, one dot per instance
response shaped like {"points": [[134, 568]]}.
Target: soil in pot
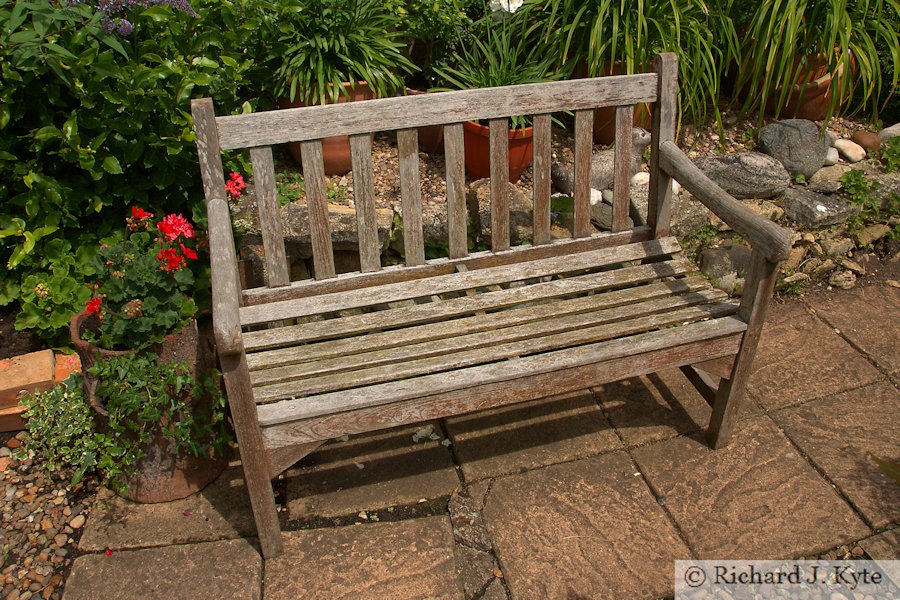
{"points": [[164, 474], [335, 149], [476, 139], [431, 137]]}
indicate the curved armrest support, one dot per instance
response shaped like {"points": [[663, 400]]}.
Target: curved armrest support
{"points": [[226, 290], [773, 241]]}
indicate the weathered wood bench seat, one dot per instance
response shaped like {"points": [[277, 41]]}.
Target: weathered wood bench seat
{"points": [[308, 361]]}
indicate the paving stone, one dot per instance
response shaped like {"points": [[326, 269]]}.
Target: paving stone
{"points": [[226, 569], [800, 358], [658, 406], [370, 471], [474, 569], [757, 498], [403, 559], [861, 315], [839, 433], [585, 529], [220, 511], [884, 546], [530, 435]]}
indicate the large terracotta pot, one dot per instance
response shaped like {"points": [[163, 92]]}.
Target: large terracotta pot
{"points": [[431, 137], [163, 474], [605, 118], [335, 149], [811, 96], [476, 139]]}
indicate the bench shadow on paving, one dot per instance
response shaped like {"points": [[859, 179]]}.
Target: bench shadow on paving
{"points": [[587, 495]]}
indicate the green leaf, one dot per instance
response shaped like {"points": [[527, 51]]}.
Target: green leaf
{"points": [[111, 165]]}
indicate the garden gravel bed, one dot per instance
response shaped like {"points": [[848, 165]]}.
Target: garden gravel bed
{"points": [[42, 517]]}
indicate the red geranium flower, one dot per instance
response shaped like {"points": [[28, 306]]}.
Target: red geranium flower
{"points": [[140, 213], [171, 259], [188, 253], [174, 225], [235, 185], [93, 305]]}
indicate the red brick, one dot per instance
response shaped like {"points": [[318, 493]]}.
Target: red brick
{"points": [[11, 419], [66, 364], [25, 373]]}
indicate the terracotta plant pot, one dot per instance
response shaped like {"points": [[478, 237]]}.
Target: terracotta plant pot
{"points": [[605, 118], [335, 149], [811, 96], [477, 149], [431, 137], [163, 474]]}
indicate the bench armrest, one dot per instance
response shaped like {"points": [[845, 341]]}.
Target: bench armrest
{"points": [[226, 290], [773, 241]]}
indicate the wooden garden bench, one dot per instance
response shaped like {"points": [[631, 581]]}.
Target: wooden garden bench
{"points": [[311, 360]]}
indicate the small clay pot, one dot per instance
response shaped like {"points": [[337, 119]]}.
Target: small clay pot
{"points": [[476, 139]]}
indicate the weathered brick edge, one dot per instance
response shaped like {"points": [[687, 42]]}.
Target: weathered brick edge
{"points": [[28, 373]]}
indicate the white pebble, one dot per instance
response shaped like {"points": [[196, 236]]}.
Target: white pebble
{"points": [[850, 150]]}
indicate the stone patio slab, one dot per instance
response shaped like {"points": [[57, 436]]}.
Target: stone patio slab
{"points": [[220, 511], [226, 569], [862, 315], [754, 499], [371, 471], [884, 546], [658, 406], [585, 529], [801, 358], [381, 561], [530, 435], [840, 432]]}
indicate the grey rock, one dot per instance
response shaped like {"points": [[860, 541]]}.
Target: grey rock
{"points": [[831, 157], [602, 165], [797, 143], [832, 173], [731, 284], [796, 278], [746, 174], [889, 132], [689, 215], [837, 246], [816, 210], [520, 211], [719, 262], [825, 187], [842, 279]]}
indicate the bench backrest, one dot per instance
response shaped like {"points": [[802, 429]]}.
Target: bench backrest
{"points": [[308, 125]]}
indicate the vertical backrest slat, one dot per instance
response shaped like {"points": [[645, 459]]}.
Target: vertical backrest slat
{"points": [[317, 205], [541, 179], [499, 151], [208, 150], [584, 135], [364, 195], [456, 190], [622, 167], [411, 197], [659, 204], [277, 273]]}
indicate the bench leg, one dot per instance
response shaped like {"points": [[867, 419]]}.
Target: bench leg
{"points": [[754, 305], [253, 453]]}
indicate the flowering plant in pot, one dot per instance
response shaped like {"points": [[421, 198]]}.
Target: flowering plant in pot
{"points": [[149, 367], [329, 51], [504, 57]]}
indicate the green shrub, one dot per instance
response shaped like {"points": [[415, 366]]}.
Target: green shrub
{"points": [[91, 122], [890, 154]]}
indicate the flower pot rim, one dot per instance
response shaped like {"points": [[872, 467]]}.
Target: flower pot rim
{"points": [[483, 130]]}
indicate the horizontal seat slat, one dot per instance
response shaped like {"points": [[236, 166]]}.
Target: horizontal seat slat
{"points": [[288, 309], [388, 114], [414, 369], [439, 383], [540, 324], [468, 324], [255, 341]]}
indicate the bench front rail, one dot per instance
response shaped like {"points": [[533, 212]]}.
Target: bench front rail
{"points": [[311, 360]]}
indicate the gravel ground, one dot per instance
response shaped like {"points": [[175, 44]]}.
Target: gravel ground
{"points": [[42, 517]]}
